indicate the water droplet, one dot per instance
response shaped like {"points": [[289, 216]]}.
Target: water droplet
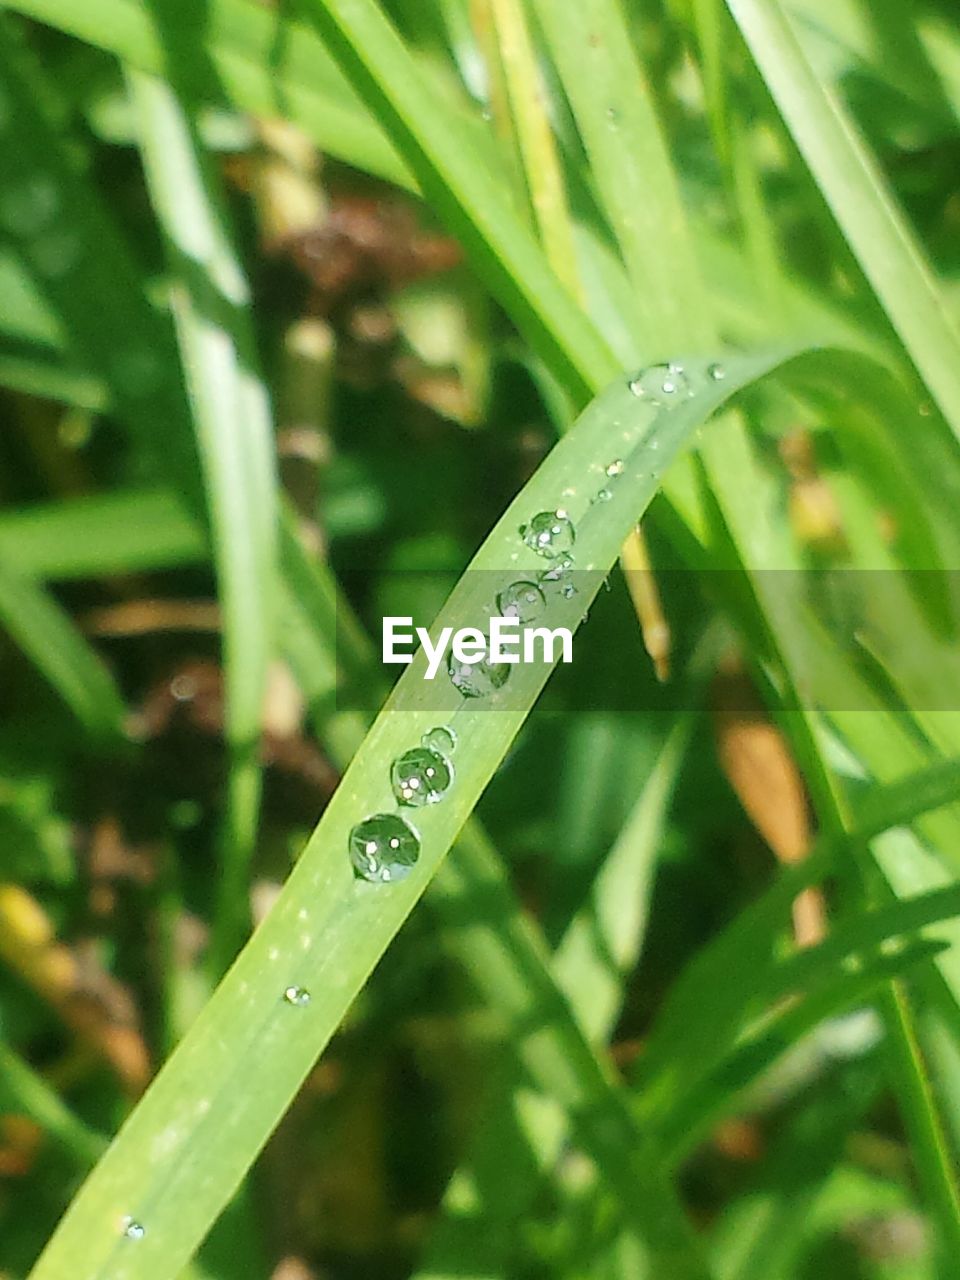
{"points": [[55, 252], [28, 206], [549, 533], [602, 495], [477, 679], [420, 776], [717, 372], [925, 409], [297, 996], [442, 740], [383, 848], [132, 1229], [613, 115], [568, 591], [613, 469], [663, 385], [522, 600]]}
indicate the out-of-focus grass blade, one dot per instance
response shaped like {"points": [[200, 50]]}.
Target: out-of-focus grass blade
{"points": [[262, 60], [451, 176], [327, 930], [861, 202], [602, 943], [607, 89], [49, 638], [126, 532], [23, 1091], [686, 1124], [234, 431]]}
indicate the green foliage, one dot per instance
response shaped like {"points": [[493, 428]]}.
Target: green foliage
{"points": [[255, 405]]}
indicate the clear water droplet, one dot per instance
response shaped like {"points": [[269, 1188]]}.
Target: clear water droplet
{"points": [[613, 469], [132, 1229], [297, 996], [602, 495], [925, 409], [522, 600], [717, 372], [28, 206], [383, 848], [477, 679], [664, 385], [420, 776], [568, 591], [549, 533], [441, 739]]}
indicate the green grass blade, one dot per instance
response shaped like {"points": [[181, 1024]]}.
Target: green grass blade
{"points": [[327, 930], [235, 440], [451, 176], [47, 635], [23, 1091], [861, 202], [114, 533]]}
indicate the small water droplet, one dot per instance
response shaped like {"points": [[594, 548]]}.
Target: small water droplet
{"points": [[717, 372], [27, 207], [441, 739], [568, 591], [420, 776], [613, 115], [522, 600], [383, 848], [132, 1229], [299, 997], [613, 469], [925, 409], [477, 679], [602, 495], [664, 385], [549, 533]]}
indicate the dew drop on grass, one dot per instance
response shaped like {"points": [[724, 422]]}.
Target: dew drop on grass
{"points": [[717, 372], [613, 469], [299, 997], [441, 739], [522, 600], [602, 495], [420, 776], [383, 848], [925, 409], [133, 1230], [664, 385], [477, 679], [549, 533]]}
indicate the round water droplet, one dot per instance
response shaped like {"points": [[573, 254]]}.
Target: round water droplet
{"points": [[477, 679], [613, 469], [26, 207], [568, 591], [602, 495], [133, 1230], [522, 600], [550, 534], [925, 409], [441, 739], [297, 996], [664, 385], [717, 372], [383, 848], [420, 776]]}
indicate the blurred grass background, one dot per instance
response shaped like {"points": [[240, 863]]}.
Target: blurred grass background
{"points": [[361, 379]]}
